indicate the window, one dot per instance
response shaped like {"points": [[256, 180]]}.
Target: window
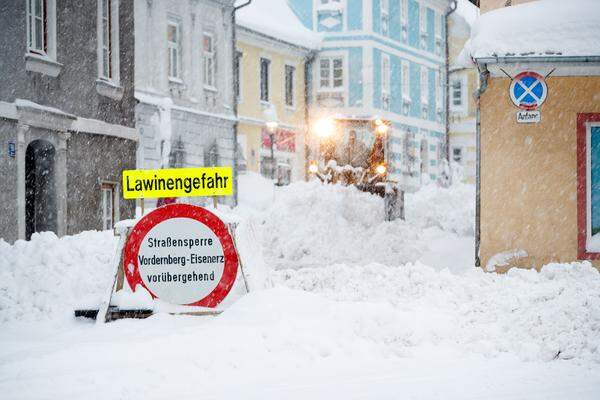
{"points": [[238, 68], [456, 93], [331, 72], [457, 154], [424, 85], [108, 209], [438, 90], [265, 65], [404, 17], [37, 26], [405, 81], [174, 49], [385, 16], [385, 82], [208, 60], [108, 40], [438, 34], [423, 19], [588, 184], [290, 71]]}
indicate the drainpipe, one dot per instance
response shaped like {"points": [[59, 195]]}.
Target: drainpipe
{"points": [[483, 84], [236, 80], [307, 86], [450, 10]]}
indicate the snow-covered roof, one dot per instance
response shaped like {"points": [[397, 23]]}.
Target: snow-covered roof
{"points": [[468, 11], [275, 18], [540, 28]]}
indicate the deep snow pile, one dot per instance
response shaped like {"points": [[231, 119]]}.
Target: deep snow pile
{"points": [[48, 277], [311, 224], [537, 316]]}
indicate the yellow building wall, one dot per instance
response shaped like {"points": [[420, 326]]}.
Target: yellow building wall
{"points": [[489, 5], [528, 172], [251, 107]]}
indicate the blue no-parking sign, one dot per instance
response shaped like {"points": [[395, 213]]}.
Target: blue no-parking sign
{"points": [[528, 90]]}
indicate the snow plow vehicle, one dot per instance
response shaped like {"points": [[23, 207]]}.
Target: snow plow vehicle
{"points": [[354, 151]]}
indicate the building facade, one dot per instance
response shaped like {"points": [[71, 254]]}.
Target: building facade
{"points": [[184, 85], [463, 83], [538, 180], [66, 115], [272, 92], [384, 59]]}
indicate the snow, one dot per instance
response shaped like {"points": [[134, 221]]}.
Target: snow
{"points": [[349, 307], [468, 11], [275, 18], [593, 243], [539, 28], [503, 259], [30, 104]]}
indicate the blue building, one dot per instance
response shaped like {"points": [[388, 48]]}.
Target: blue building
{"points": [[384, 59]]}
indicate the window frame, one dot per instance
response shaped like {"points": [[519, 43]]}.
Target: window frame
{"points": [[108, 187], [424, 71], [113, 37], [331, 70], [267, 83], [239, 57], [293, 85], [386, 78], [585, 122], [405, 79], [49, 30], [385, 16], [173, 21], [423, 19], [210, 84]]}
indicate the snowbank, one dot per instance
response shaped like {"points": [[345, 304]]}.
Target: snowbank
{"points": [[276, 19], [536, 316], [47, 277], [310, 224], [539, 28]]}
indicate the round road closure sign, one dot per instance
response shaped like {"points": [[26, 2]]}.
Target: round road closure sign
{"points": [[528, 90], [182, 254]]}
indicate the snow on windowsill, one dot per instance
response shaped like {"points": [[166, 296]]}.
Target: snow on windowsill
{"points": [[42, 64], [109, 89]]}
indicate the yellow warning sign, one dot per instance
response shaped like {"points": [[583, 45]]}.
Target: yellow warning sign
{"points": [[177, 182]]}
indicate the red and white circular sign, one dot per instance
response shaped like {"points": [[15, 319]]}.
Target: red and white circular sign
{"points": [[182, 254]]}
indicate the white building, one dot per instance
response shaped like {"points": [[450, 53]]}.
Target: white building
{"points": [[183, 69]]}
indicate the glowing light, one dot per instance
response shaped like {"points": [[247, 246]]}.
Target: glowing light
{"points": [[381, 169], [324, 127], [378, 122], [272, 125], [313, 168], [382, 129]]}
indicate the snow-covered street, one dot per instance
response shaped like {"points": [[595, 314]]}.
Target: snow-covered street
{"points": [[354, 307]]}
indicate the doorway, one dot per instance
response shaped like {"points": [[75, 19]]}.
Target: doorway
{"points": [[40, 188]]}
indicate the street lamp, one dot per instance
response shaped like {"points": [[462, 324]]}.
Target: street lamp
{"points": [[270, 114]]}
